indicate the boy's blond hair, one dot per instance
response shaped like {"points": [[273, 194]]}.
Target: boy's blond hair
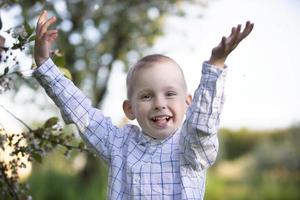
{"points": [[148, 61]]}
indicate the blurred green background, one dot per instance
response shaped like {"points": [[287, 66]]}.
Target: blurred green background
{"points": [[99, 39], [251, 165]]}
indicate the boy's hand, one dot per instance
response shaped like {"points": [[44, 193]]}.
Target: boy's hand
{"points": [[44, 38], [228, 44]]}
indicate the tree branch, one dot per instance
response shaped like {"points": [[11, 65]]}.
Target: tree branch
{"points": [[9, 185], [18, 119]]}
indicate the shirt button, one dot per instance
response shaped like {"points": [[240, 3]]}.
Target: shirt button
{"points": [[136, 180]]}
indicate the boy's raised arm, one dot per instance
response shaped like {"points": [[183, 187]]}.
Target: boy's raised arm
{"points": [[44, 38], [228, 44], [199, 141], [96, 129]]}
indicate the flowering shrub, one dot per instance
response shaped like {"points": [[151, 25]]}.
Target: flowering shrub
{"points": [[33, 144], [9, 63], [30, 145]]}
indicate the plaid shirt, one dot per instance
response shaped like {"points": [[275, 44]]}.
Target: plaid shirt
{"points": [[141, 167]]}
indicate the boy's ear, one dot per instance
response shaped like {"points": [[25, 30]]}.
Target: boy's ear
{"points": [[127, 108], [189, 99]]}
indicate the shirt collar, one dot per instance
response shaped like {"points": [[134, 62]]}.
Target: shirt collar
{"points": [[146, 139]]}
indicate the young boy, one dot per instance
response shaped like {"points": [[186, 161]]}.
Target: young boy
{"points": [[168, 157]]}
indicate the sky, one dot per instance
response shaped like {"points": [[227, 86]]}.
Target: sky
{"points": [[261, 86], [262, 82]]}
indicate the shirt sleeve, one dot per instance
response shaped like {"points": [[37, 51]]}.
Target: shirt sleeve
{"points": [[98, 131], [199, 142]]}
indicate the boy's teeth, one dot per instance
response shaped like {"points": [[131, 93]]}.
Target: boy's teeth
{"points": [[161, 118], [161, 121]]}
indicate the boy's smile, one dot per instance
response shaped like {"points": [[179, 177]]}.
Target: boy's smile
{"points": [[159, 99], [161, 120]]}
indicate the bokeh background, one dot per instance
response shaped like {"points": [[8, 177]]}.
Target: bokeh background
{"points": [[99, 40]]}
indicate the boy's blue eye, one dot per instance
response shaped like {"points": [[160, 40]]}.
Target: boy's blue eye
{"points": [[146, 97], [170, 94]]}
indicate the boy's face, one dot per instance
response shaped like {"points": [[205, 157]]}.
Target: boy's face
{"points": [[159, 99]]}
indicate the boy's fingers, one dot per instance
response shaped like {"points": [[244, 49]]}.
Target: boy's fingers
{"points": [[247, 24], [233, 29], [247, 30], [41, 20], [52, 31], [50, 34], [233, 40], [223, 43], [230, 38], [44, 27], [51, 37], [250, 28]]}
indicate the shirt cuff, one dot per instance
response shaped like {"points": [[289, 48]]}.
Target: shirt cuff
{"points": [[48, 69], [212, 70]]}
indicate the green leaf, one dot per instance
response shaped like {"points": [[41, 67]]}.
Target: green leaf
{"points": [[37, 157], [28, 29], [31, 38], [60, 61], [6, 70], [66, 72], [51, 122], [81, 146], [16, 46], [39, 131], [21, 40]]}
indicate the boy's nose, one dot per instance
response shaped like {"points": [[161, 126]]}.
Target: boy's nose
{"points": [[159, 103], [159, 107]]}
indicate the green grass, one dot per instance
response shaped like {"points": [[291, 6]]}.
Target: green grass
{"points": [[51, 185], [56, 179], [260, 187]]}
